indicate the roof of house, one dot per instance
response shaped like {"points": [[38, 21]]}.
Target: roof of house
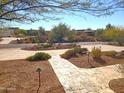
{"points": [[86, 30]]}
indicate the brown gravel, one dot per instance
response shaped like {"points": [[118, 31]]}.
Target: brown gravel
{"points": [[82, 61], [117, 85], [20, 76]]}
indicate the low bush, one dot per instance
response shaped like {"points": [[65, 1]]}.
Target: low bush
{"points": [[46, 45], [66, 46], [96, 53], [73, 52], [68, 54], [79, 50], [110, 53], [39, 56]]}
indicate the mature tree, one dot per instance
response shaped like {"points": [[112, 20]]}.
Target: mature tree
{"points": [[50, 38], [60, 32], [30, 10], [108, 26], [41, 35], [71, 35], [115, 34], [41, 31], [99, 32]]}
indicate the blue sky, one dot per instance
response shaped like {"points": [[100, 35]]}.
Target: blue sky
{"points": [[76, 22]]}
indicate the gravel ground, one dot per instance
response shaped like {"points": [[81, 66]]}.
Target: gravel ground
{"points": [[20, 76]]}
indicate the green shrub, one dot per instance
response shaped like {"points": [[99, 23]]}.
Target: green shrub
{"points": [[73, 52], [73, 45], [68, 54], [80, 50], [47, 45], [96, 53], [39, 56], [110, 53], [66, 46], [84, 49]]}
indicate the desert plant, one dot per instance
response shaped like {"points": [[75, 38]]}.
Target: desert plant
{"points": [[110, 53], [115, 34], [66, 46], [60, 32], [79, 50], [73, 52], [39, 56], [46, 45], [96, 53], [68, 54]]}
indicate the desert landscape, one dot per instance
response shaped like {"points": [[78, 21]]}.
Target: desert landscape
{"points": [[20, 74], [61, 46]]}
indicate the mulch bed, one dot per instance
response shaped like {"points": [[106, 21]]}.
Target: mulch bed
{"points": [[82, 61], [117, 85], [22, 76]]}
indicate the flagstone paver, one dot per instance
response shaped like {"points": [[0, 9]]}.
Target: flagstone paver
{"points": [[80, 80]]}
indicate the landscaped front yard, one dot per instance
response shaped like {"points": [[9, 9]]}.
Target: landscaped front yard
{"points": [[20, 76], [117, 85], [81, 58]]}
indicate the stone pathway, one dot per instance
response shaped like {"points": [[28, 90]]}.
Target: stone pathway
{"points": [[79, 80]]}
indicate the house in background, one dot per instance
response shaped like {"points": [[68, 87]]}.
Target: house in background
{"points": [[88, 31], [8, 32]]}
